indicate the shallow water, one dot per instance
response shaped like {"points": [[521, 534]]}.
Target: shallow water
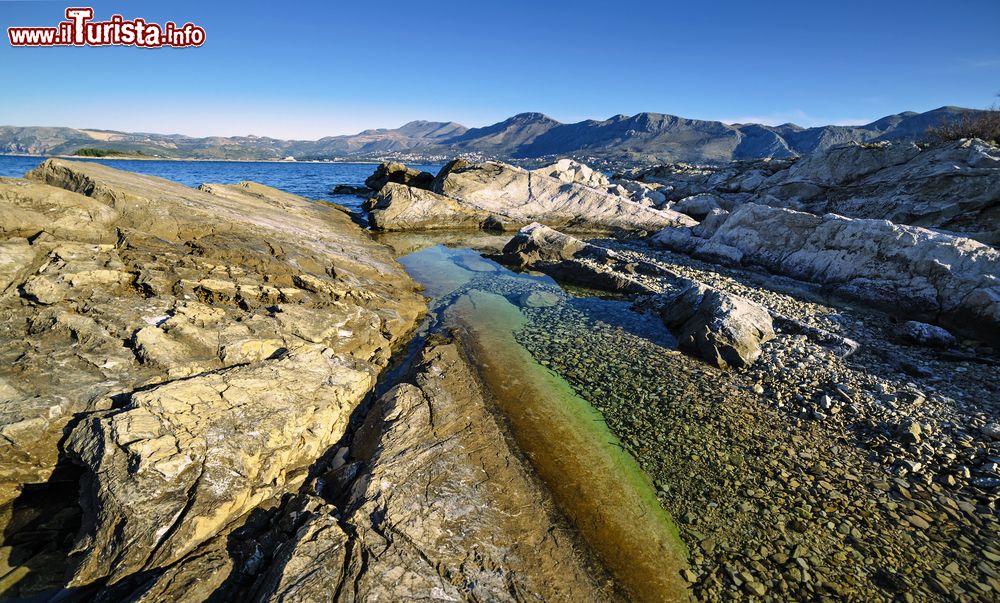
{"points": [[309, 180], [598, 485]]}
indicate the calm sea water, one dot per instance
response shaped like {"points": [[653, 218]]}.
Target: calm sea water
{"points": [[310, 180]]}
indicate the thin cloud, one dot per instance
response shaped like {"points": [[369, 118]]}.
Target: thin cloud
{"points": [[983, 63]]}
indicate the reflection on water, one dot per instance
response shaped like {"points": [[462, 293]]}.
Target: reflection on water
{"points": [[597, 484]]}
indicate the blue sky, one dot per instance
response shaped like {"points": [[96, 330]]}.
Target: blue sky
{"points": [[312, 69]]}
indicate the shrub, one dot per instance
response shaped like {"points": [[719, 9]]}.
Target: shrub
{"points": [[92, 152], [981, 124]]}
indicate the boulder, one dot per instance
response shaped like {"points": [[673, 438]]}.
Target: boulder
{"points": [[911, 271], [925, 334], [350, 189], [721, 328], [698, 206], [517, 196], [401, 207], [568, 170], [400, 174]]}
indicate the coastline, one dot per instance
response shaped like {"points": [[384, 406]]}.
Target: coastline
{"points": [[132, 158]]}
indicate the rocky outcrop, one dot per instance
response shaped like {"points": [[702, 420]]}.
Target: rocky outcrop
{"points": [[399, 207], [496, 196], [439, 507], [567, 170], [721, 328], [951, 186], [400, 174], [908, 270], [202, 348], [519, 197]]}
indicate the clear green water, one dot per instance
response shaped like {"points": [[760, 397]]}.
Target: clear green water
{"points": [[594, 480]]}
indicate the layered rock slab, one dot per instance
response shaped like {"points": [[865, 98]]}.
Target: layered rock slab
{"points": [[952, 186], [442, 508], [906, 269], [501, 196], [175, 323]]}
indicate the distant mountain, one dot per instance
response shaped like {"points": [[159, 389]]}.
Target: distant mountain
{"points": [[641, 138]]}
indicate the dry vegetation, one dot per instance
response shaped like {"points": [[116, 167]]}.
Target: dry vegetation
{"points": [[982, 124]]}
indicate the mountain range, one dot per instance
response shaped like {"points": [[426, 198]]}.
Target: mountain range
{"points": [[526, 137]]}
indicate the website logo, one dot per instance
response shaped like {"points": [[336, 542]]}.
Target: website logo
{"points": [[80, 29]]}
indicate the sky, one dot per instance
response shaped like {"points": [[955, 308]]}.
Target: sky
{"points": [[305, 70]]}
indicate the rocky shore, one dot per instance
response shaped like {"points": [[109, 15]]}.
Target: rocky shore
{"points": [[235, 393]]}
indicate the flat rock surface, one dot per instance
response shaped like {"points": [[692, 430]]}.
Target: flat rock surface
{"points": [[201, 348]]}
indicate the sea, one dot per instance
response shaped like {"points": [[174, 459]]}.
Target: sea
{"points": [[306, 179]]}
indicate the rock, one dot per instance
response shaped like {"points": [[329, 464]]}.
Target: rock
{"points": [[400, 207], [698, 206], [904, 269], [400, 174], [909, 431], [191, 456], [565, 257], [159, 332], [348, 189], [719, 327], [519, 197], [567, 170], [441, 509], [454, 164], [991, 430], [540, 299], [924, 334], [953, 186]]}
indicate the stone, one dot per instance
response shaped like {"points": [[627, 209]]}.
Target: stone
{"points": [[400, 174], [698, 206], [349, 189], [568, 170], [909, 431], [721, 328], [401, 207], [540, 299], [925, 334], [991, 430], [573, 260]]}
